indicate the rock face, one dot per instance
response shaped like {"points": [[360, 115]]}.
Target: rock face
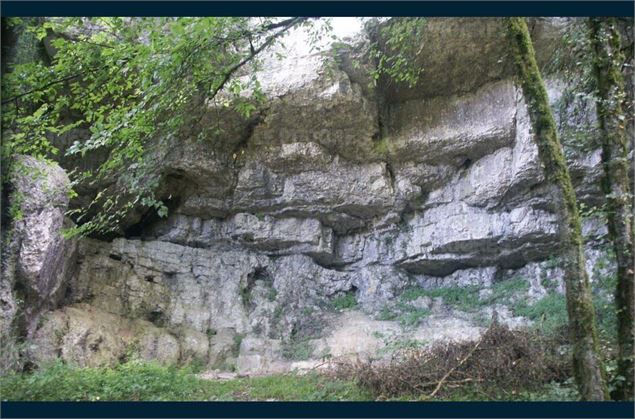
{"points": [[302, 234], [38, 259]]}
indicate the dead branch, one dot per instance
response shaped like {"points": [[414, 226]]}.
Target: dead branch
{"points": [[465, 358]]}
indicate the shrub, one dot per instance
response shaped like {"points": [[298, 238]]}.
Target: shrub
{"points": [[297, 349]]}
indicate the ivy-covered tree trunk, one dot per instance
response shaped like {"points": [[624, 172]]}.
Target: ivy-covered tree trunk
{"points": [[608, 59], [587, 364]]}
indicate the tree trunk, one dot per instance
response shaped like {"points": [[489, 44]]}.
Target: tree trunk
{"points": [[587, 364], [608, 59]]}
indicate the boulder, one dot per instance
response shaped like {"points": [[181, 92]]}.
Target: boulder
{"points": [[43, 258]]}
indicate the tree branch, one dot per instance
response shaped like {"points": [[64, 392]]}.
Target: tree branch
{"points": [[445, 377], [54, 82], [287, 24]]}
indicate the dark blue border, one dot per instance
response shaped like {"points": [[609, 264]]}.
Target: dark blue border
{"points": [[317, 409], [324, 409], [318, 8]]}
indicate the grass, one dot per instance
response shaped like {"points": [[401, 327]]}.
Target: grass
{"points": [[463, 298], [387, 314], [406, 314], [506, 289], [238, 340], [344, 302], [272, 294], [135, 380], [401, 345], [128, 381], [548, 314], [411, 316], [467, 298]]}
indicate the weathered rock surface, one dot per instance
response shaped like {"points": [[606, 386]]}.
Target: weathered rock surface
{"points": [[293, 234], [459, 55], [38, 259], [91, 337]]}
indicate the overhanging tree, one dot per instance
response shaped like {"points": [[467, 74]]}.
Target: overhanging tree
{"points": [[608, 59], [130, 81], [587, 364]]}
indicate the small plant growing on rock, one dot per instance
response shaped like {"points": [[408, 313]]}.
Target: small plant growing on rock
{"points": [[344, 302], [297, 349], [382, 147], [462, 298], [15, 210], [412, 316], [238, 339], [272, 294], [387, 313], [276, 317]]}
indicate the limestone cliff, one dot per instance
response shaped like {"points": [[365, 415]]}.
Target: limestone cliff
{"points": [[295, 234]]}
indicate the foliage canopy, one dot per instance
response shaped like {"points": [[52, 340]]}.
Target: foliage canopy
{"points": [[108, 86], [126, 81]]}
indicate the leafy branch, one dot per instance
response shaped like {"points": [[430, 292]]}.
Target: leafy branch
{"points": [[126, 96]]}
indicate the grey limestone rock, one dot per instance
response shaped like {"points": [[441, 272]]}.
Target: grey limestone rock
{"points": [[39, 258], [303, 221]]}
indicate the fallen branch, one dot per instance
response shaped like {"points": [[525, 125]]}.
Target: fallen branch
{"points": [[465, 358]]}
